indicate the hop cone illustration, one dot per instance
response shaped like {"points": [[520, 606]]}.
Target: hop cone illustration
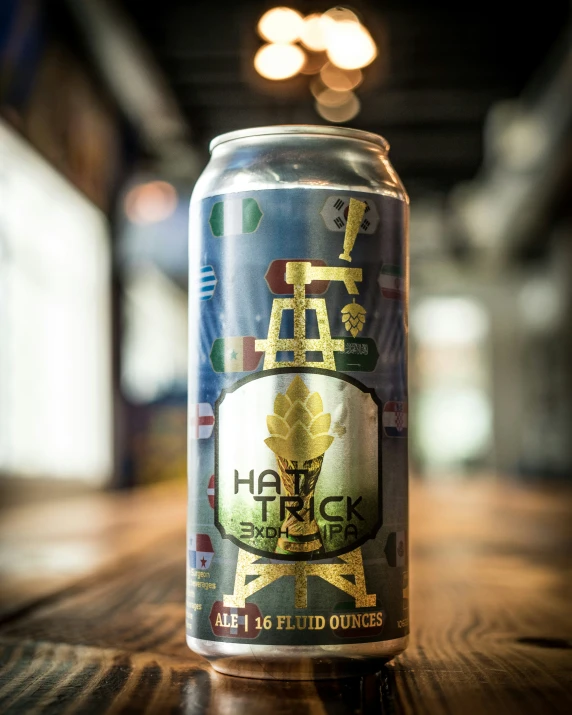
{"points": [[299, 437], [299, 426], [353, 317]]}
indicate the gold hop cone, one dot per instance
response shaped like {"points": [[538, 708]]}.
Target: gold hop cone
{"points": [[299, 426], [353, 317]]}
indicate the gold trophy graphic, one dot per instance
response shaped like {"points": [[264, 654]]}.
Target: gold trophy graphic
{"points": [[299, 437]]}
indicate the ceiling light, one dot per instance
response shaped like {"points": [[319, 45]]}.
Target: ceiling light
{"points": [[281, 24], [313, 33], [338, 113], [350, 46], [332, 98], [151, 202], [317, 86], [278, 61], [341, 14], [338, 79], [314, 63]]}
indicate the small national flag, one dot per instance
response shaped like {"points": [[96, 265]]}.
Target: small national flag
{"points": [[210, 491], [359, 355], [201, 551], [391, 282], [235, 355], [275, 277], [396, 548], [207, 282], [395, 419], [233, 217], [232, 622], [335, 214], [201, 420]]}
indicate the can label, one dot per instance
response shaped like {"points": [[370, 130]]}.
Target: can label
{"points": [[298, 419]]}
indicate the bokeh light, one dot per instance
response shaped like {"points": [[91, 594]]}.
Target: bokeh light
{"points": [[337, 107], [279, 61], [317, 87], [341, 14], [350, 46], [314, 62], [150, 202], [313, 34], [333, 46], [281, 24], [332, 98], [341, 80]]}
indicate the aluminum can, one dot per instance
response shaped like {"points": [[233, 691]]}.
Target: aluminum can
{"points": [[297, 553]]}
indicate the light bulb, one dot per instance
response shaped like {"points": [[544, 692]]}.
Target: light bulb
{"points": [[151, 202], [338, 79], [338, 113], [332, 98], [279, 61], [341, 14], [281, 24], [313, 33], [350, 46]]}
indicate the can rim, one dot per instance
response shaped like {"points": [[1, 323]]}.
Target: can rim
{"points": [[313, 129]]}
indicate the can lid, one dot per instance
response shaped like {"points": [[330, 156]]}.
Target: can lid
{"points": [[301, 129]]}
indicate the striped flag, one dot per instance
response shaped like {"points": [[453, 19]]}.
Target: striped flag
{"points": [[201, 551], [201, 420], [207, 282], [210, 491], [391, 282], [395, 419], [233, 217], [235, 355]]}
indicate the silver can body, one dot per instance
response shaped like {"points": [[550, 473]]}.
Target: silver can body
{"points": [[297, 554]]}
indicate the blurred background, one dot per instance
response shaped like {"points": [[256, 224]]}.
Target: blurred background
{"points": [[106, 110]]}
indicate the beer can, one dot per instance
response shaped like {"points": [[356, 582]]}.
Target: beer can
{"points": [[297, 549]]}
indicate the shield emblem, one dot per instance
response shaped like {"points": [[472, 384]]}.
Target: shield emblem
{"points": [[298, 464]]}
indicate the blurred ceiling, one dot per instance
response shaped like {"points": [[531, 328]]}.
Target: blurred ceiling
{"points": [[441, 69]]}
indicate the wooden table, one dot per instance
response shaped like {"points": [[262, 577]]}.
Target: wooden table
{"points": [[92, 615]]}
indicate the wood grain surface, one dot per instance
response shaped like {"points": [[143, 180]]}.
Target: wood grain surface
{"points": [[92, 614]]}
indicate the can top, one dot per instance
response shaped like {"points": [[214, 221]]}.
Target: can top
{"points": [[301, 129]]}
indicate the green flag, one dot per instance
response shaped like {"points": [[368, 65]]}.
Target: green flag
{"points": [[233, 217], [359, 355], [235, 355]]}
